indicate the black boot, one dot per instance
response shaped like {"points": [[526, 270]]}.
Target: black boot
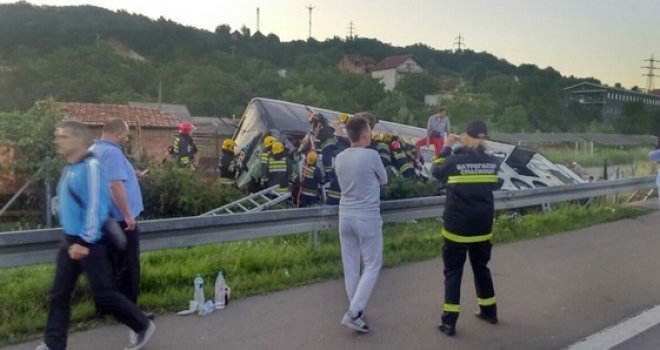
{"points": [[488, 314]]}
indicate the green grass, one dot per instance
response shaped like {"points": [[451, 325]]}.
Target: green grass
{"points": [[261, 266], [614, 156]]}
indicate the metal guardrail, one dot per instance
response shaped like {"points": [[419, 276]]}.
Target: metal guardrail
{"points": [[39, 246]]}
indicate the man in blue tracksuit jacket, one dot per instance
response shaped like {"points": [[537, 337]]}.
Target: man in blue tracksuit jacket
{"points": [[84, 204]]}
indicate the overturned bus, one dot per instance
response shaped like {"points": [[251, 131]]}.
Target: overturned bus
{"points": [[521, 168]]}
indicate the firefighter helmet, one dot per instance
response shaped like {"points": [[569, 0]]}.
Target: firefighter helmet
{"points": [[312, 157], [185, 128], [376, 137], [343, 117], [268, 141], [278, 147], [228, 145], [387, 137]]}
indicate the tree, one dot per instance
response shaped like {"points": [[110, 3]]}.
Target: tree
{"points": [[306, 95], [417, 85], [514, 119], [634, 119], [464, 108]]}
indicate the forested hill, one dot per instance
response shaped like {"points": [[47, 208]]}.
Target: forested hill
{"points": [[81, 53]]}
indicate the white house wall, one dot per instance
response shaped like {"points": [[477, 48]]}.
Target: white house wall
{"points": [[388, 77]]}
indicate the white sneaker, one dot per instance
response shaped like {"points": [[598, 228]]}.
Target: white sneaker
{"points": [[132, 337], [356, 323], [42, 346], [143, 337]]}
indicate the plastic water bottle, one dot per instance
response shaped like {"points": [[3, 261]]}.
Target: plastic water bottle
{"points": [[199, 291], [221, 291], [208, 308]]}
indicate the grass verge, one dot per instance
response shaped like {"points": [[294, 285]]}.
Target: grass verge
{"points": [[264, 265], [614, 156]]}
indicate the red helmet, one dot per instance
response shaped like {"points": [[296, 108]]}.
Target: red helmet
{"points": [[395, 145], [185, 128]]}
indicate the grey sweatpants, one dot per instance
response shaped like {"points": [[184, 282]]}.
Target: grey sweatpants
{"points": [[360, 237]]}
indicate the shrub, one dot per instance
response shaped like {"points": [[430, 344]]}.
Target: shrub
{"points": [[399, 187], [169, 191]]}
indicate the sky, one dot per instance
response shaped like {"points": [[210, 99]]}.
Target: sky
{"points": [[605, 39]]}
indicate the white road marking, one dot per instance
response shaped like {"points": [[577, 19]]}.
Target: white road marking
{"points": [[619, 333]]}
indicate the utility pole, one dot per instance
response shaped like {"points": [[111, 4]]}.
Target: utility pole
{"points": [[460, 43], [257, 19], [351, 30], [650, 86], [310, 8]]}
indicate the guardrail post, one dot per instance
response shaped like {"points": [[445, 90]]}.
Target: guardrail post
{"points": [[314, 239]]}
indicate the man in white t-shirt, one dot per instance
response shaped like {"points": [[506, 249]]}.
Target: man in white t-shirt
{"points": [[360, 173]]}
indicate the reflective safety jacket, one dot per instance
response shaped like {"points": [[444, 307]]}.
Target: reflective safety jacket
{"points": [[471, 178], [403, 164], [384, 153], [227, 168], [279, 171], [311, 181], [183, 149]]}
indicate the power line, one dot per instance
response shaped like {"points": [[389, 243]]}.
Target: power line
{"points": [[651, 73], [460, 43], [310, 8]]}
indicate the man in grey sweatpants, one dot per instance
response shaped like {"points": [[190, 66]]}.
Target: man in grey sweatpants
{"points": [[360, 173]]}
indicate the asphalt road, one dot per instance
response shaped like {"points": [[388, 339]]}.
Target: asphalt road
{"points": [[551, 292]]}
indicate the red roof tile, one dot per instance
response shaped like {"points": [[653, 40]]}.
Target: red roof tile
{"points": [[99, 113], [391, 62]]}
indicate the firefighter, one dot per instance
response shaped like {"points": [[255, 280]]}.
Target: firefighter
{"points": [[183, 149], [470, 175], [227, 166], [328, 146], [279, 169], [401, 161], [310, 183], [266, 152]]}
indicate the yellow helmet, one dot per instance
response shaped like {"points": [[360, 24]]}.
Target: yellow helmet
{"points": [[268, 141], [343, 117], [312, 157], [278, 147], [376, 137], [387, 137], [228, 145]]}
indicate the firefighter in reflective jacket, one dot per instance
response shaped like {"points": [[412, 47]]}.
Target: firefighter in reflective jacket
{"points": [[183, 148], [227, 167], [278, 169], [401, 161], [310, 185], [471, 177], [266, 152]]}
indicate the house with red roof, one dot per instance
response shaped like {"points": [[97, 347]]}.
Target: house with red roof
{"points": [[151, 129], [391, 69]]}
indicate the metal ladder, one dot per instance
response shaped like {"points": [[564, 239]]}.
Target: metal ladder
{"points": [[254, 202]]}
